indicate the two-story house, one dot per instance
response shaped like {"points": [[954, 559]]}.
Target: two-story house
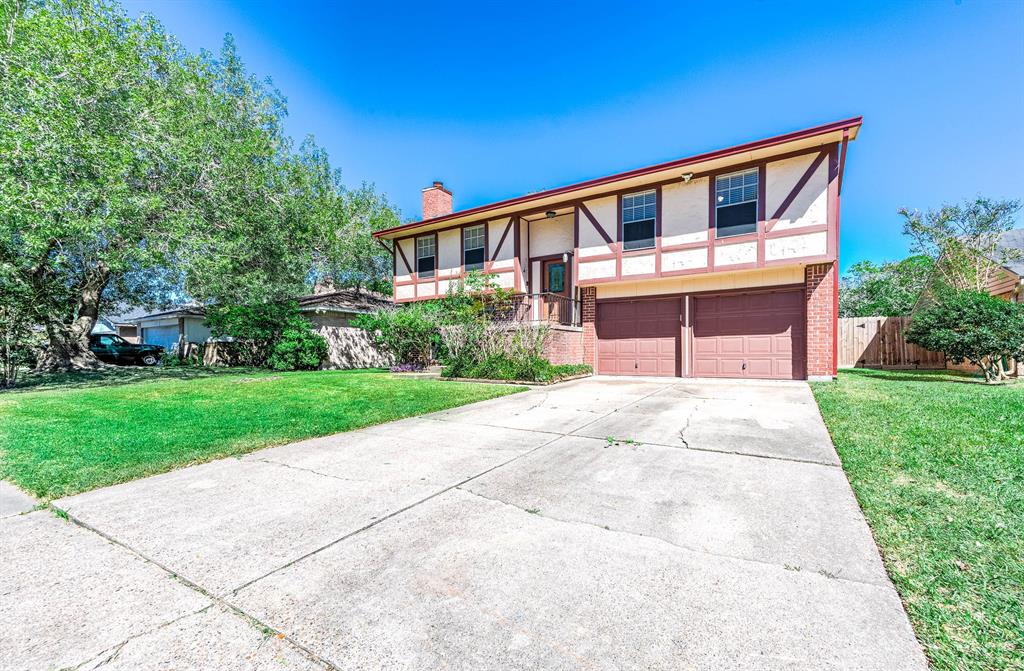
{"points": [[722, 264]]}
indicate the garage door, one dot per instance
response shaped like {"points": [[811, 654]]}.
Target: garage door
{"points": [[758, 335], [166, 336], [638, 337]]}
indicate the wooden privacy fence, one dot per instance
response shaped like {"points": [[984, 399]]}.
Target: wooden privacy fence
{"points": [[878, 342]]}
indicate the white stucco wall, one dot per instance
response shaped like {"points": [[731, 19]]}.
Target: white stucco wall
{"points": [[495, 229], [727, 255], [596, 269], [795, 246], [409, 248], [685, 259], [603, 209], [810, 207], [449, 248], [551, 236], [684, 212], [638, 265]]}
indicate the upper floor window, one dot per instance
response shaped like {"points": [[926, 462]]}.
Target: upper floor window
{"points": [[736, 203], [426, 256], [639, 212], [473, 247]]}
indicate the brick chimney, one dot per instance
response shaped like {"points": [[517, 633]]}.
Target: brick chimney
{"points": [[437, 201]]}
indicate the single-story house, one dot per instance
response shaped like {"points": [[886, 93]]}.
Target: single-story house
{"points": [[122, 324], [329, 313], [168, 327], [720, 264], [1008, 282]]}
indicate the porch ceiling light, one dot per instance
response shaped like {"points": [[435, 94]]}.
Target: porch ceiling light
{"points": [[687, 176], [550, 214]]}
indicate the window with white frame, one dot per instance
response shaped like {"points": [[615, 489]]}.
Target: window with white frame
{"points": [[426, 256], [473, 247], [736, 203], [639, 213]]}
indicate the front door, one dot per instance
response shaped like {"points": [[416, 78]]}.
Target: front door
{"points": [[557, 307]]}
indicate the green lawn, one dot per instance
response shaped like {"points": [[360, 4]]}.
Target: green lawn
{"points": [[937, 463], [95, 431]]}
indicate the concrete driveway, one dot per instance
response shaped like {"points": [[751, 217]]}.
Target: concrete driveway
{"points": [[600, 524]]}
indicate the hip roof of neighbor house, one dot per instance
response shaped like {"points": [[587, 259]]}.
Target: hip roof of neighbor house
{"points": [[179, 311], [1014, 239], [825, 133], [343, 300]]}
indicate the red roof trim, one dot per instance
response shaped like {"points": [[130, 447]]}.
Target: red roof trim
{"points": [[845, 124]]}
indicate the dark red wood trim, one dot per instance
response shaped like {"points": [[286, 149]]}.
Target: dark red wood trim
{"points": [[797, 188], [596, 224], [516, 244], [502, 240], [711, 223], [842, 158], [657, 231], [576, 226], [845, 124], [762, 205], [799, 230]]}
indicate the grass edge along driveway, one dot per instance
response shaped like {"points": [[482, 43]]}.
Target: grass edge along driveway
{"points": [[60, 442], [937, 464]]}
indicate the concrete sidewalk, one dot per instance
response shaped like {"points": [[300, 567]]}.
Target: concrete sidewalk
{"points": [[604, 523]]}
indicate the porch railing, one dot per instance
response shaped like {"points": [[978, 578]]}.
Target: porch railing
{"points": [[543, 308]]}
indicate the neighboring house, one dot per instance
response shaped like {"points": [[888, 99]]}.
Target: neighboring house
{"points": [[722, 264], [123, 324], [1008, 283], [331, 313], [169, 327]]}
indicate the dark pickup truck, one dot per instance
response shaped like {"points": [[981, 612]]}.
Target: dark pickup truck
{"points": [[115, 349]]}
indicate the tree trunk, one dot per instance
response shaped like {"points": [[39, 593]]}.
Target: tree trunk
{"points": [[69, 343]]}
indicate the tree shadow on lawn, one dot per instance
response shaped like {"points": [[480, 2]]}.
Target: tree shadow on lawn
{"points": [[111, 375], [917, 375]]}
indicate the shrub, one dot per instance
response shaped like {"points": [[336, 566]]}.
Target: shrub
{"points": [[298, 349], [273, 335], [503, 367], [971, 325], [409, 332]]}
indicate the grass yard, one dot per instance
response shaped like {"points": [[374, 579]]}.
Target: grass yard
{"points": [[56, 442], [937, 464]]}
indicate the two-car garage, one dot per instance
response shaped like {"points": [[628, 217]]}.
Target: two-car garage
{"points": [[754, 334]]}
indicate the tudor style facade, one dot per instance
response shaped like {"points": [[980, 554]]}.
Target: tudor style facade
{"points": [[722, 264]]}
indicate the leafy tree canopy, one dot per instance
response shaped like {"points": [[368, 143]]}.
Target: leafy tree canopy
{"points": [[963, 239], [887, 290], [132, 171]]}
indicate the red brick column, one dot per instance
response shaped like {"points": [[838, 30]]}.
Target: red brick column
{"points": [[820, 294], [589, 314]]}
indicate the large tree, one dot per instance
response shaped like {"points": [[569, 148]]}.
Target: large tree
{"points": [[888, 289], [134, 172], [963, 240]]}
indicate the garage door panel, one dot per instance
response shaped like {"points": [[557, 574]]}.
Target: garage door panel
{"points": [[758, 335], [638, 337]]}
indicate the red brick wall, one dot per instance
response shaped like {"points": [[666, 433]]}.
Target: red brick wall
{"points": [[437, 201], [820, 292], [588, 295], [564, 345]]}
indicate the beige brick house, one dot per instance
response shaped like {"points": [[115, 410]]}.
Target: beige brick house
{"points": [[721, 264]]}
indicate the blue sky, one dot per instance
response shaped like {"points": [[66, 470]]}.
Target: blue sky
{"points": [[503, 99]]}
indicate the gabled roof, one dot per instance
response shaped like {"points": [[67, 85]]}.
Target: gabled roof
{"points": [[1014, 240], [177, 311], [808, 137]]}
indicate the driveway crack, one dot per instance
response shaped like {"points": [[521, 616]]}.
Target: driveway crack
{"points": [[540, 513]]}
